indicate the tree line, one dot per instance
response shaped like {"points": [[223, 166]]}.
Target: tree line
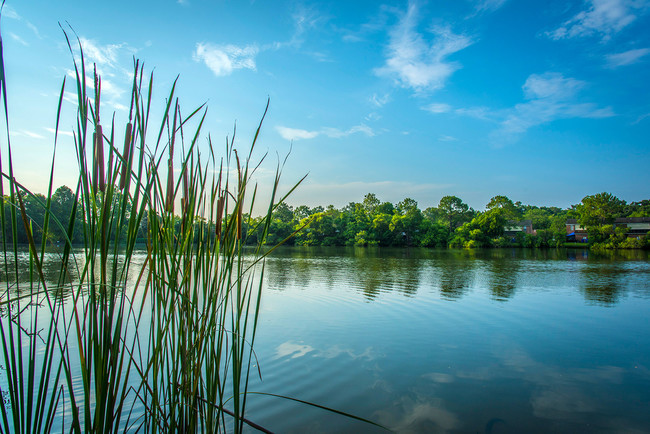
{"points": [[371, 222], [452, 223]]}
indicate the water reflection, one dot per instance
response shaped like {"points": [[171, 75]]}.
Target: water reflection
{"points": [[599, 276], [503, 271], [455, 282], [60, 283], [602, 283]]}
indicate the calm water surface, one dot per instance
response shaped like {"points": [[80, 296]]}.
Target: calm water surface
{"points": [[501, 341], [457, 341]]}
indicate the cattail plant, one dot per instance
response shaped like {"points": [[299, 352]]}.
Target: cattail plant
{"points": [[171, 349]]}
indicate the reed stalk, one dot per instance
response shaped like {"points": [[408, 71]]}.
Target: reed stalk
{"points": [[161, 342], [171, 351]]}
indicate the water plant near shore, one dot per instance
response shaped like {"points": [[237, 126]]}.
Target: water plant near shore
{"points": [[172, 349]]}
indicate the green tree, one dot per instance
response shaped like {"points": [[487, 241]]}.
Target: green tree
{"points": [[597, 211], [370, 203], [508, 209], [453, 212]]}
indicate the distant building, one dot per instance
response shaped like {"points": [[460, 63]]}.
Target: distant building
{"points": [[524, 226], [637, 227], [575, 232]]}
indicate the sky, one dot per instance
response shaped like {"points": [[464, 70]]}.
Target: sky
{"points": [[542, 101]]}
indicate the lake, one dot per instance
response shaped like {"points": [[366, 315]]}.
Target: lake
{"points": [[452, 341], [501, 341]]}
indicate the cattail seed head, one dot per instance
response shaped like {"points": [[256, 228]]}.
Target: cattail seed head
{"points": [[220, 204], [99, 161], [126, 155], [169, 200]]}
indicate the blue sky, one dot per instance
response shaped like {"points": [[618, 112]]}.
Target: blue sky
{"points": [[542, 101]]}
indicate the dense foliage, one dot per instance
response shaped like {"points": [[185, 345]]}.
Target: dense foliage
{"points": [[452, 223]]}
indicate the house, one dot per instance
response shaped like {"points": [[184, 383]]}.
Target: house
{"points": [[575, 232], [524, 226], [637, 227]]}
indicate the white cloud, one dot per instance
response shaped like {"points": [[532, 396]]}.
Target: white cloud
{"points": [[9, 12], [61, 132], [489, 5], [483, 113], [640, 118], [117, 106], [224, 59], [102, 55], [373, 117], [379, 101], [27, 133], [18, 39], [550, 96], [334, 133], [551, 85], [437, 107], [417, 63], [447, 139], [295, 133], [627, 57], [602, 17]]}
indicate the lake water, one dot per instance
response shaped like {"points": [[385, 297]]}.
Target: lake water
{"points": [[500, 341], [466, 341]]}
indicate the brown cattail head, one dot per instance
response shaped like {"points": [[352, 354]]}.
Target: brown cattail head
{"points": [[169, 200], [186, 191], [220, 203], [126, 155], [239, 221], [95, 174], [99, 158], [240, 199]]}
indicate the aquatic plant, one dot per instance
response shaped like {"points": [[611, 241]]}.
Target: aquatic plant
{"points": [[170, 349]]}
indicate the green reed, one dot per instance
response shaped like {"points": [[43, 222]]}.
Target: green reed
{"points": [[172, 351]]}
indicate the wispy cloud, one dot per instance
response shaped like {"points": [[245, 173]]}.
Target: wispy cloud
{"points": [[602, 17], [445, 138], [378, 100], [550, 96], [489, 5], [304, 20], [417, 62], [627, 57], [224, 59], [437, 107], [27, 133], [334, 133], [102, 55], [61, 132], [483, 113], [9, 12], [295, 133], [372, 117], [18, 39]]}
